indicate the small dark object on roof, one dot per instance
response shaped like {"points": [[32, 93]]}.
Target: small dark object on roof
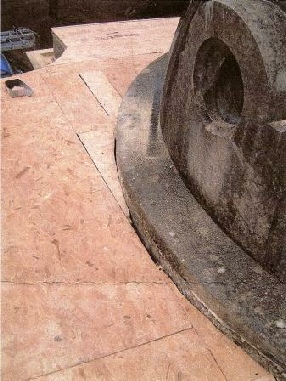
{"points": [[18, 88]]}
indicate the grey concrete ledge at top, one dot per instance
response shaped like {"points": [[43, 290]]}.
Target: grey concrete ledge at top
{"points": [[215, 274]]}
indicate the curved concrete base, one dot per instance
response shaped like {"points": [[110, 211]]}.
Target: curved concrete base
{"points": [[215, 274]]}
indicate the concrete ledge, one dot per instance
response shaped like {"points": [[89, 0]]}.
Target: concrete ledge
{"points": [[215, 274]]}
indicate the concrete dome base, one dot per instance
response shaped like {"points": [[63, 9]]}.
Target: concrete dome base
{"points": [[214, 273]]}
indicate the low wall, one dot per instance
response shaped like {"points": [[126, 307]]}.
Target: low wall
{"points": [[42, 15]]}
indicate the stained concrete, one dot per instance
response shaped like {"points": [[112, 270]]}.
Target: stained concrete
{"points": [[224, 87], [215, 274]]}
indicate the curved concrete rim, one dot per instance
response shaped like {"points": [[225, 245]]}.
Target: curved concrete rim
{"points": [[214, 273]]}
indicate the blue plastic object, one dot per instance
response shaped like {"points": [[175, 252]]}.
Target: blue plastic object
{"points": [[6, 69]]}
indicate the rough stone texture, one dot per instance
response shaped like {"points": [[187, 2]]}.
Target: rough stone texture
{"points": [[214, 273], [225, 85]]}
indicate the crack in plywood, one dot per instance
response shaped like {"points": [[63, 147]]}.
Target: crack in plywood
{"points": [[110, 178], [211, 353], [102, 89], [113, 353]]}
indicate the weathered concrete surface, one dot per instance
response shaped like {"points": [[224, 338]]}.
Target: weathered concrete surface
{"points": [[225, 86], [214, 273]]}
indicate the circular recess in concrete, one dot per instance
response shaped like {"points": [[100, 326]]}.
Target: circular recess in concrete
{"points": [[219, 100], [217, 77], [215, 274]]}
